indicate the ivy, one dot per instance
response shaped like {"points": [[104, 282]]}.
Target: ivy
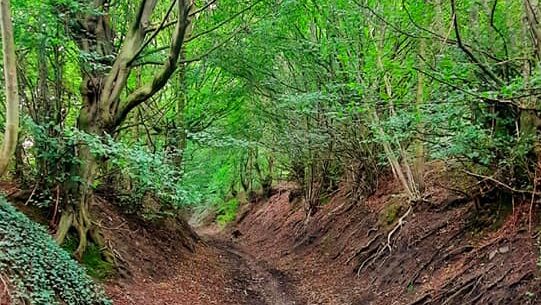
{"points": [[40, 271]]}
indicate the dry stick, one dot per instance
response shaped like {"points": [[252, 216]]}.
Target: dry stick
{"points": [[512, 189], [31, 194]]}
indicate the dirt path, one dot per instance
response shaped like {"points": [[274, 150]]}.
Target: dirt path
{"points": [[271, 286], [218, 270]]}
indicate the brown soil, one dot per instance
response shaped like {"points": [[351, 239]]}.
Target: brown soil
{"points": [[441, 254], [447, 250], [160, 269]]}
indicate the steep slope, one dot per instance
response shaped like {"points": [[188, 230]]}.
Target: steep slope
{"points": [[380, 251], [35, 270], [447, 250]]}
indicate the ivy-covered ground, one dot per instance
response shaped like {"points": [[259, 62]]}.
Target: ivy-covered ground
{"points": [[36, 269]]}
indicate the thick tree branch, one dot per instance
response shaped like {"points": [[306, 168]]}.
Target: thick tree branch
{"points": [[118, 76], [153, 35], [486, 70], [143, 93]]}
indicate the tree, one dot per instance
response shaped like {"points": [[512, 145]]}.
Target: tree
{"points": [[12, 94], [151, 34], [104, 107]]}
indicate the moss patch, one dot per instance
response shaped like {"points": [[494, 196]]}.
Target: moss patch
{"points": [[92, 261], [390, 213]]}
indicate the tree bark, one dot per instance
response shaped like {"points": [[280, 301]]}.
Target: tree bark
{"points": [[103, 108], [12, 93]]}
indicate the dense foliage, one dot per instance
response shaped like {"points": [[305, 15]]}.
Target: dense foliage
{"points": [[40, 271], [204, 104]]}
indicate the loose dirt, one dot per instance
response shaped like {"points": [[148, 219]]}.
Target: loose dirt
{"points": [[160, 270]]}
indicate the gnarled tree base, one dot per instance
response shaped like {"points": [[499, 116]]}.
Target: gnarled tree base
{"points": [[80, 220]]}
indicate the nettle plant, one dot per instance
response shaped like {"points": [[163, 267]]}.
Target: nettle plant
{"points": [[40, 272]]}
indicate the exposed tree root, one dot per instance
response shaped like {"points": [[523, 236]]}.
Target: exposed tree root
{"points": [[377, 246], [86, 230], [439, 256], [396, 228], [467, 286], [473, 290], [364, 248]]}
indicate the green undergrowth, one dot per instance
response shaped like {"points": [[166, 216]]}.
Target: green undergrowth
{"points": [[92, 260], [227, 212], [40, 272]]}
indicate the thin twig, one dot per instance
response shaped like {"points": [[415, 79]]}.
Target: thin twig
{"points": [[498, 182]]}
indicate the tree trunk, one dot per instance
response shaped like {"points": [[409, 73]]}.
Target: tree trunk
{"points": [[419, 163], [180, 136], [103, 111], [12, 93], [79, 198]]}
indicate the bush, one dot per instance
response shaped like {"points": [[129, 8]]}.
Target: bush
{"points": [[227, 212]]}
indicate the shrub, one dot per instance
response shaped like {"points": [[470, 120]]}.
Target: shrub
{"points": [[227, 212]]}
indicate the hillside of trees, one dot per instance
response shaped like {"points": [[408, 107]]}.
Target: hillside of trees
{"points": [[270, 152]]}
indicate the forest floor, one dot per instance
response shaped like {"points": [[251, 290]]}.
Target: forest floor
{"points": [[445, 252], [218, 270], [375, 251]]}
